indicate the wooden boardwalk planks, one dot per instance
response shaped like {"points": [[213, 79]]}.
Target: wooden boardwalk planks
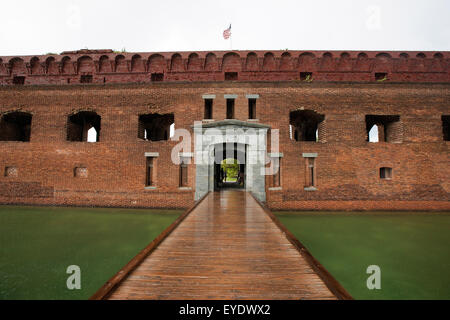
{"points": [[226, 248]]}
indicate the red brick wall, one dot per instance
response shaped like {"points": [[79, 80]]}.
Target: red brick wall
{"points": [[347, 166], [107, 66]]}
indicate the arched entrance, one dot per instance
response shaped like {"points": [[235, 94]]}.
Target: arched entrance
{"points": [[230, 139]]}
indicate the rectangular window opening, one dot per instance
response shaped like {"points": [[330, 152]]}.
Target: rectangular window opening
{"points": [[252, 108], [183, 172], [19, 80], [277, 175], [157, 77], [311, 180], [231, 76], [230, 108], [86, 78], [381, 76], [208, 109], [386, 173], [149, 175], [306, 76]]}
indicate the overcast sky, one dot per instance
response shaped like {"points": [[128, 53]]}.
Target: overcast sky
{"points": [[38, 27]]}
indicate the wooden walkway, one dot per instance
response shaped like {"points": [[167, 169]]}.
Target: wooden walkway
{"points": [[228, 247]]}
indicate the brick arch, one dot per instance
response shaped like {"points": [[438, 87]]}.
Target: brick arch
{"points": [[437, 64], [17, 66], [383, 62], [104, 64], [251, 62], [211, 62], [363, 62], [327, 62], [286, 62], [402, 63], [137, 64], [121, 65], [345, 62], [269, 63], [231, 62], [51, 66], [307, 61], [176, 63], [194, 62], [85, 64], [156, 64], [67, 65], [35, 66]]}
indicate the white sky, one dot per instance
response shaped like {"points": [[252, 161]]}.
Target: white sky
{"points": [[38, 27]]}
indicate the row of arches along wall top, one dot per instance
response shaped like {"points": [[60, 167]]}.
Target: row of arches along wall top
{"points": [[230, 61]]}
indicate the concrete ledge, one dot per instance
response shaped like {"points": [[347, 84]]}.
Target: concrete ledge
{"points": [[209, 96], [152, 154], [275, 189], [150, 188], [309, 155], [186, 154], [184, 188], [310, 189], [230, 96], [275, 154], [252, 96]]}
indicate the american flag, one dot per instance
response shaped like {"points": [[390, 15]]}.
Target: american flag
{"points": [[227, 33]]}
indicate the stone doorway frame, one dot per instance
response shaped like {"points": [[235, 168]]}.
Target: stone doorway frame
{"points": [[208, 135]]}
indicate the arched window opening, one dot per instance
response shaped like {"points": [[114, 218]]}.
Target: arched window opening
{"points": [[15, 126], [79, 127], [305, 125]]}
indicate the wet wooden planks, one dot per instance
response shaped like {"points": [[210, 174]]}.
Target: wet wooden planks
{"points": [[226, 248]]}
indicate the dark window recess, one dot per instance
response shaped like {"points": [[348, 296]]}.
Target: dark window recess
{"points": [[154, 126], [208, 109], [446, 127], [149, 176], [252, 108], [86, 78], [305, 124], [388, 127], [80, 123], [183, 173], [15, 126], [230, 108], [385, 173], [231, 76], [277, 175], [310, 172], [381, 76], [305, 76], [157, 77], [19, 80]]}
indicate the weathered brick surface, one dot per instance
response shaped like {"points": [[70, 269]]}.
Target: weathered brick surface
{"points": [[108, 67], [347, 166]]}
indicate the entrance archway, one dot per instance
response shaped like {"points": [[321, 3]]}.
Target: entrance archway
{"points": [[244, 141]]}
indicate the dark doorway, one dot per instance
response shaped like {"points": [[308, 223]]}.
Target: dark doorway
{"points": [[229, 166]]}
